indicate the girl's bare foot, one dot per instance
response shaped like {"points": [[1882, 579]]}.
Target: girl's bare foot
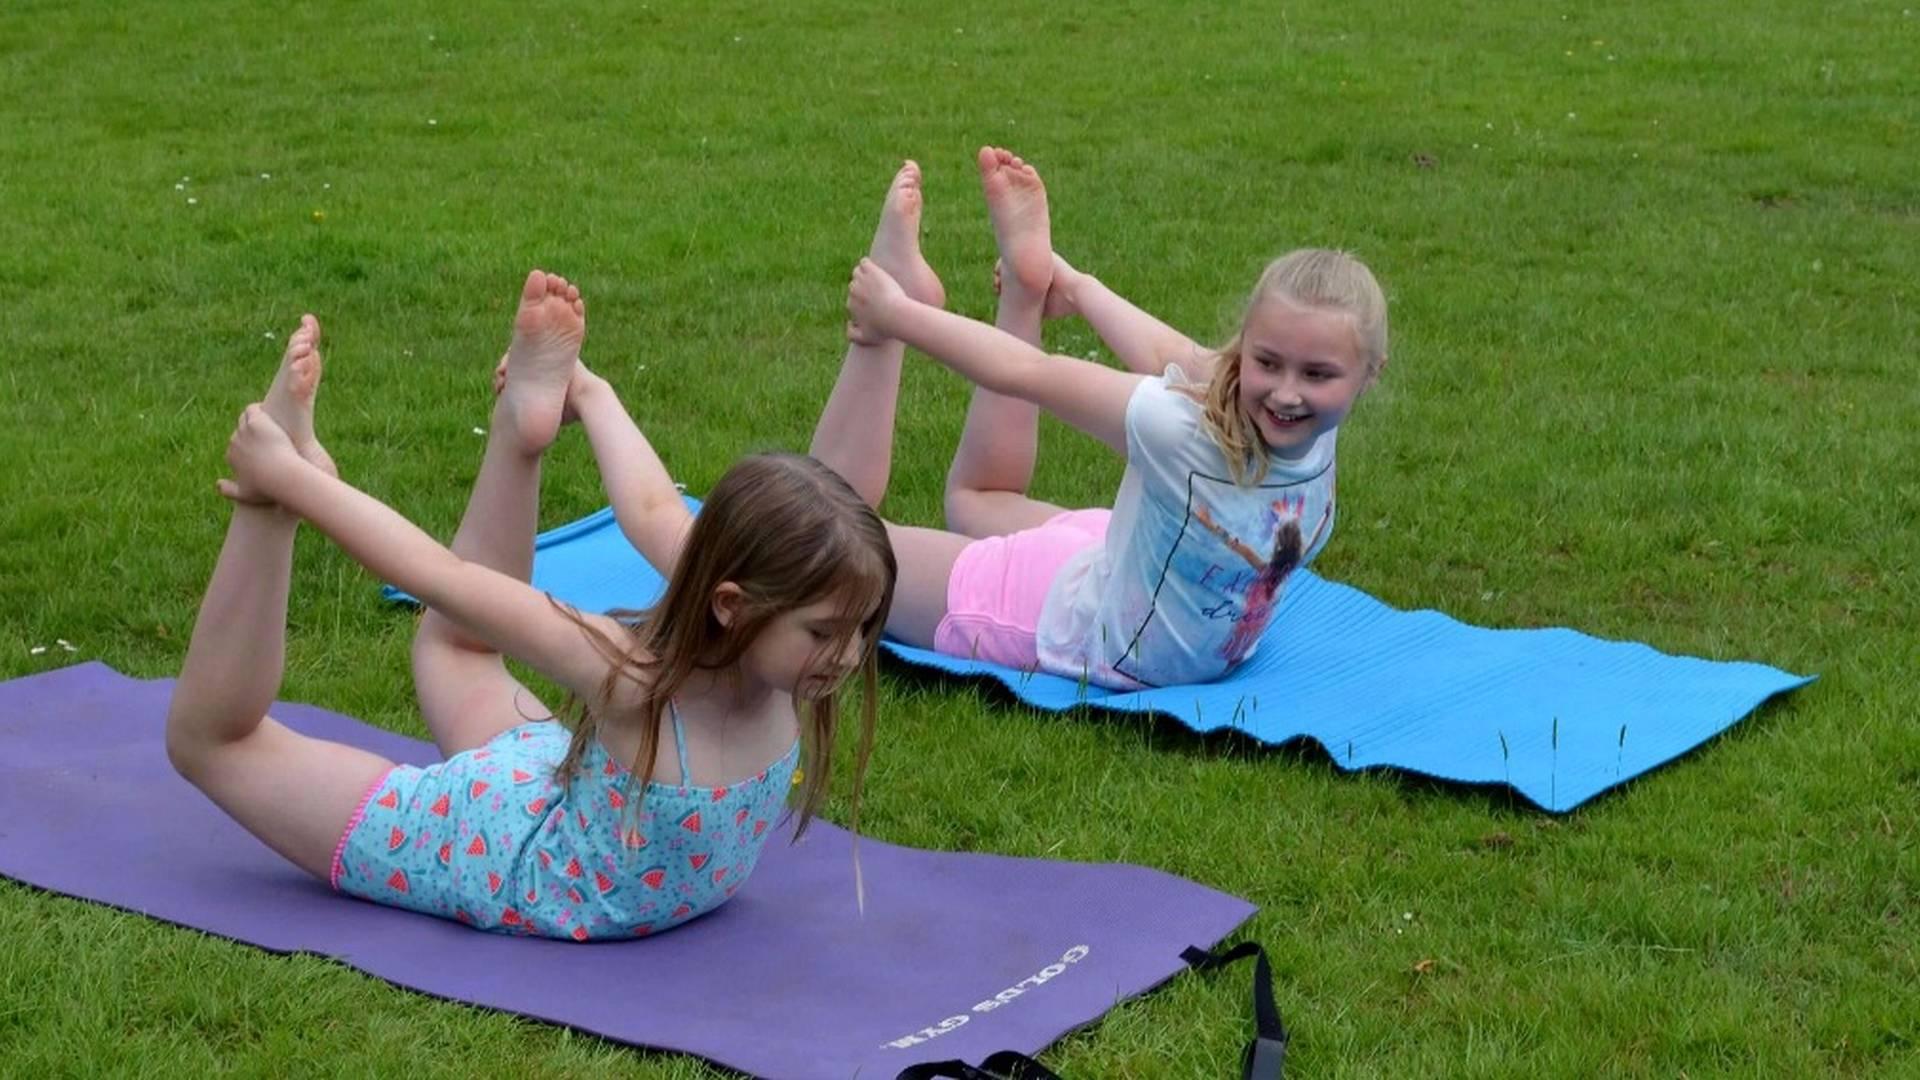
{"points": [[1017, 204], [289, 402], [547, 332], [290, 399], [896, 242]]}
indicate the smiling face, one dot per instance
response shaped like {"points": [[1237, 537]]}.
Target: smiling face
{"points": [[1301, 369]]}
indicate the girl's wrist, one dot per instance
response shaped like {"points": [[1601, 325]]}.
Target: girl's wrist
{"points": [[588, 388], [1072, 284], [895, 314], [286, 482]]}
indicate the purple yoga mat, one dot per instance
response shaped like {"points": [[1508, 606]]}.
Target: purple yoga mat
{"points": [[957, 956]]}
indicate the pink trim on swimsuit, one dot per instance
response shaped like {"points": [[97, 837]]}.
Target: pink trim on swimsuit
{"points": [[359, 811]]}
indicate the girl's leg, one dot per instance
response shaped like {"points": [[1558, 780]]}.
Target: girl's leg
{"points": [[854, 436], [293, 792], [467, 695], [993, 466], [925, 558]]}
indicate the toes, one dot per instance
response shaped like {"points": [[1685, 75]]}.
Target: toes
{"points": [[536, 285]]}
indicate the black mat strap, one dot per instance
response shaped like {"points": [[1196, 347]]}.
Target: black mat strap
{"points": [[1266, 1057], [1005, 1065]]}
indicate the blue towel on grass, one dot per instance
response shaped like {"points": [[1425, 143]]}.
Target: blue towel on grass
{"points": [[1558, 715]]}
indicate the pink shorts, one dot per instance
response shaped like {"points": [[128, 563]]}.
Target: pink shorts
{"points": [[999, 584]]}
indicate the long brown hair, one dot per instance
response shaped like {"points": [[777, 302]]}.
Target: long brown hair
{"points": [[1313, 278], [788, 531]]}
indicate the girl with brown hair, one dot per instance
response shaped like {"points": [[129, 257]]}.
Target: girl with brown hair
{"points": [[775, 595]]}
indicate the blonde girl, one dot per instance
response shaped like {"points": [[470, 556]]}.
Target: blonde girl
{"points": [[1229, 451]]}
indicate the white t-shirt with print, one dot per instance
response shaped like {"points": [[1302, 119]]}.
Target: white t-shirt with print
{"points": [[1192, 566]]}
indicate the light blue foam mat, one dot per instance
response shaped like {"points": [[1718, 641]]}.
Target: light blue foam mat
{"points": [[1558, 715]]}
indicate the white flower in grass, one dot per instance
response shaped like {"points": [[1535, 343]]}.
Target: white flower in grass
{"points": [[36, 650], [479, 431]]}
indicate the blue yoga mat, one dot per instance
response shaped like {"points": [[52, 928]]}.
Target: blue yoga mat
{"points": [[1557, 715]]}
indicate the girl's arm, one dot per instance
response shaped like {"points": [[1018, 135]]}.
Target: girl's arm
{"points": [[651, 513], [505, 612], [1143, 343], [1091, 397]]}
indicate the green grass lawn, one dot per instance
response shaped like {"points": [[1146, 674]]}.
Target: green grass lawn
{"points": [[1653, 278]]}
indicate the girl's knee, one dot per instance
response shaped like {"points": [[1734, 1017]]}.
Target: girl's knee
{"points": [[963, 508], [190, 746]]}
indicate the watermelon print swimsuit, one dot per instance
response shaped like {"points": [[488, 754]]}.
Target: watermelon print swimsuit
{"points": [[490, 838]]}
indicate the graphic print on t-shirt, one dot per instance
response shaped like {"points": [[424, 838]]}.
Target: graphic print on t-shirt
{"points": [[1229, 557]]}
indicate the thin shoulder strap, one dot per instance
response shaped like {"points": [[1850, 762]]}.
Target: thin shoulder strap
{"points": [[680, 743]]}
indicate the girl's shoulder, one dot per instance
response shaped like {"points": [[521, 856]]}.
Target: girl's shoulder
{"points": [[632, 675], [1166, 409]]}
